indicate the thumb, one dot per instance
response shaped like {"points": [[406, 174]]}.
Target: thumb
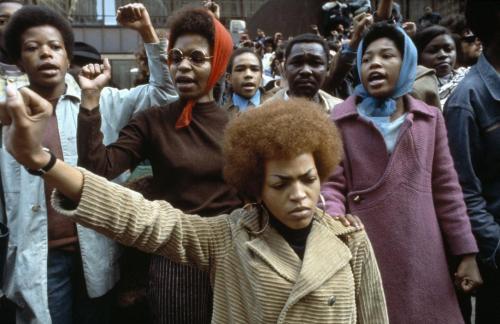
{"points": [[105, 63], [35, 103]]}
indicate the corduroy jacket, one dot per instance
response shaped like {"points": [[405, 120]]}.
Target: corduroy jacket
{"points": [[256, 276]]}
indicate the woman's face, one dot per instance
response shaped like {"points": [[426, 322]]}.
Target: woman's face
{"points": [[380, 67], [291, 190], [440, 54], [190, 76]]}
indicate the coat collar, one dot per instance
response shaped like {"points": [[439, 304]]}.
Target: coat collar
{"points": [[325, 252], [348, 109]]}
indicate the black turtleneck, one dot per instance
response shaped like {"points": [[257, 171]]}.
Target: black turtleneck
{"points": [[296, 238]]}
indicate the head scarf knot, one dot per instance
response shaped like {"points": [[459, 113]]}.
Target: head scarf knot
{"points": [[384, 107], [222, 49]]}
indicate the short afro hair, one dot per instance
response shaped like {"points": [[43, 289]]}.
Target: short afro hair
{"points": [[33, 16], [308, 38], [240, 51], [279, 129], [192, 21], [384, 30], [426, 35], [482, 18]]}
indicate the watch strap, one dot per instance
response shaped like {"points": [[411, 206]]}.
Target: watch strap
{"points": [[45, 168]]}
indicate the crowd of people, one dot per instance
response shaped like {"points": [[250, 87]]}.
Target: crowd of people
{"points": [[345, 175]]}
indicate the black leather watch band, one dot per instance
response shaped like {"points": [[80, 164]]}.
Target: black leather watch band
{"points": [[45, 168]]}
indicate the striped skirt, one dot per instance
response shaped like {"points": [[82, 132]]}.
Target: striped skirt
{"points": [[178, 294]]}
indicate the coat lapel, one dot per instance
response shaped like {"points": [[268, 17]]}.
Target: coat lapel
{"points": [[325, 254], [272, 248]]}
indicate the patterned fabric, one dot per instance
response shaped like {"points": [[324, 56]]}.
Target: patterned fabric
{"points": [[447, 85], [255, 275]]}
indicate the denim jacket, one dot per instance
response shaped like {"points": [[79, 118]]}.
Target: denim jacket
{"points": [[25, 277], [472, 115]]}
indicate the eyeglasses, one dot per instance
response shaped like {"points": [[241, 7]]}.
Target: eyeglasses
{"points": [[196, 57], [469, 39]]}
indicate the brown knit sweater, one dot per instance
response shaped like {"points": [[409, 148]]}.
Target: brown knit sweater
{"points": [[187, 163]]}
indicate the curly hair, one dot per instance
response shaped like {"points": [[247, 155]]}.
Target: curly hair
{"points": [[192, 21], [384, 30], [33, 16], [279, 129]]}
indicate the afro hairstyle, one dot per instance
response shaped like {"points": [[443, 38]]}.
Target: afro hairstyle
{"points": [[279, 129], [384, 30], [483, 19], [33, 16], [192, 21]]}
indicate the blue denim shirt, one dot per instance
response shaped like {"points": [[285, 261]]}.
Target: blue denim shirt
{"points": [[25, 277], [472, 116]]}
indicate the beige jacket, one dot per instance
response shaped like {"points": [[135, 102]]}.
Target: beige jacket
{"points": [[426, 87], [327, 101], [256, 276]]}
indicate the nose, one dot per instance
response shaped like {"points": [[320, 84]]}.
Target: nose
{"points": [[442, 54], [306, 70], [248, 74], [45, 51], [298, 193], [184, 65]]}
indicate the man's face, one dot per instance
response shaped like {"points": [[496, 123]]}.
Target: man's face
{"points": [[305, 69], [7, 9], [43, 56], [246, 75]]}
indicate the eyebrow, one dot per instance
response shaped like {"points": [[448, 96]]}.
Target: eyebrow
{"points": [[284, 177], [385, 49]]}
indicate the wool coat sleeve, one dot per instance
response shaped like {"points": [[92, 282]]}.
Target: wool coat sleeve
{"points": [[151, 226], [334, 190], [448, 198]]}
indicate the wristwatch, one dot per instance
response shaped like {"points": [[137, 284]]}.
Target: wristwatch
{"points": [[45, 168]]}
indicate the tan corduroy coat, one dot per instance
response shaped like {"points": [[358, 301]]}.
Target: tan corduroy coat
{"points": [[256, 276]]}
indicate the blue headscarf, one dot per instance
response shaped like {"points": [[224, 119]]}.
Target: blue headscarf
{"points": [[386, 107]]}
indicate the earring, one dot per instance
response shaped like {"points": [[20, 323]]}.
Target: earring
{"points": [[323, 204]]}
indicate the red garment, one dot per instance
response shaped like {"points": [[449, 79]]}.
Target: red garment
{"points": [[222, 50]]}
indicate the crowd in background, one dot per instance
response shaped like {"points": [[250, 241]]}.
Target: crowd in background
{"points": [[406, 148]]}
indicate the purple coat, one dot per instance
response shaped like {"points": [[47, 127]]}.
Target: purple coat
{"points": [[411, 205]]}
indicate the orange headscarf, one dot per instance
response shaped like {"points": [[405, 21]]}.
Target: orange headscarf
{"points": [[222, 50]]}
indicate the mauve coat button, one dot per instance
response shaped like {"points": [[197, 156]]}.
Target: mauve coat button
{"points": [[332, 300], [357, 199]]}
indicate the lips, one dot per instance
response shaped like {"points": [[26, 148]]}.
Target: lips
{"points": [[300, 212], [184, 79], [305, 83], [376, 78], [48, 69]]}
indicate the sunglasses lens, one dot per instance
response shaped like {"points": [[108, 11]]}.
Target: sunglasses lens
{"points": [[197, 57], [470, 39], [176, 55]]}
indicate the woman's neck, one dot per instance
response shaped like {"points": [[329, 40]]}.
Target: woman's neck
{"points": [[400, 108], [209, 97]]}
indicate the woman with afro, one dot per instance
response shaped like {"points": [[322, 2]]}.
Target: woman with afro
{"points": [[279, 259]]}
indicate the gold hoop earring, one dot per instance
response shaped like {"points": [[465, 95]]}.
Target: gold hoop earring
{"points": [[323, 204]]}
